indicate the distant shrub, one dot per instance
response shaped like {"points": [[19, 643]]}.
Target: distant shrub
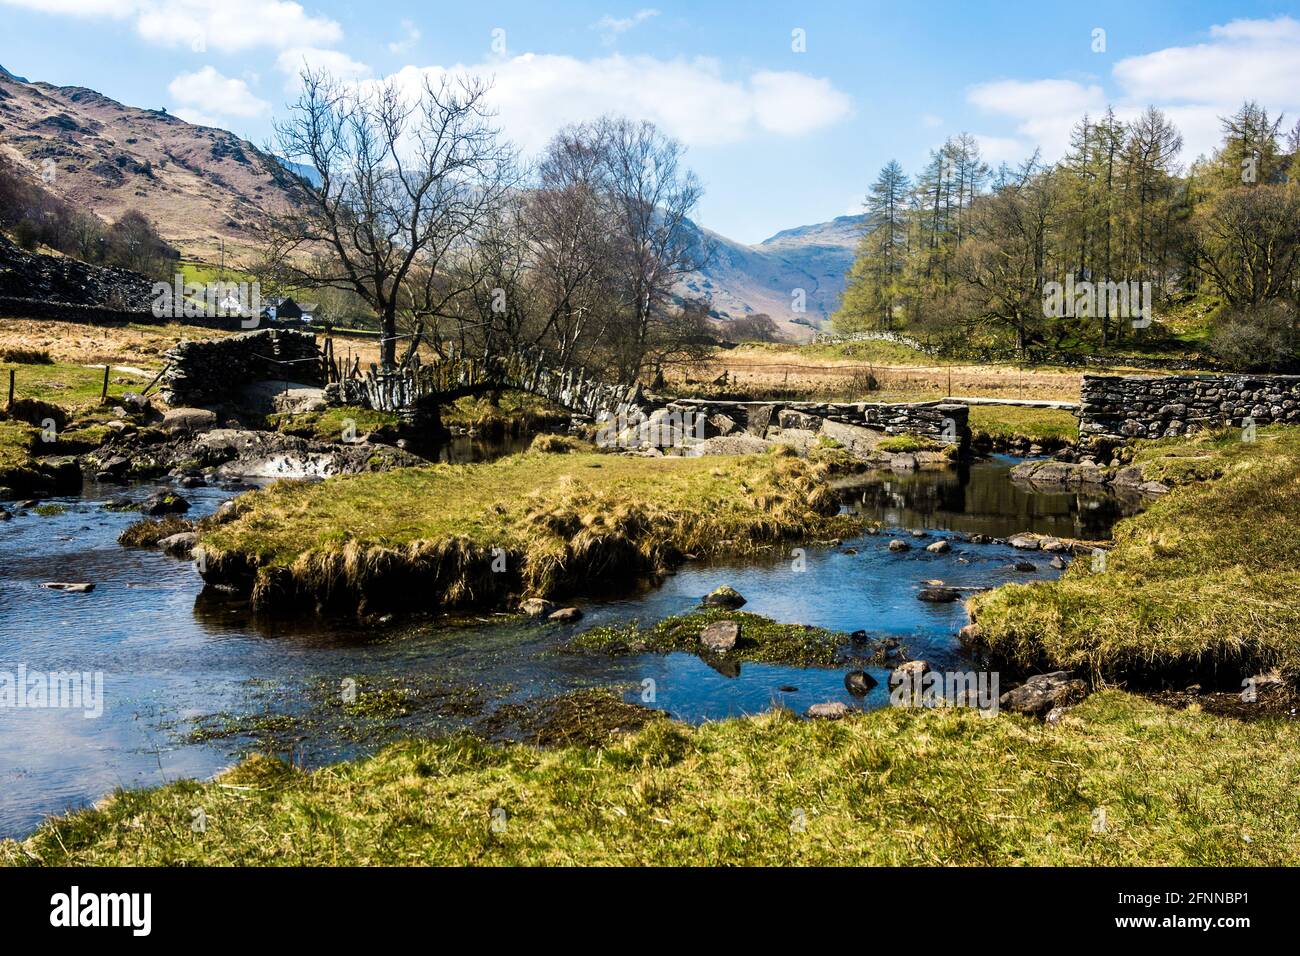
{"points": [[555, 444], [1258, 339]]}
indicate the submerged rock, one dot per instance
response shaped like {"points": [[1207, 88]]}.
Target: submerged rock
{"points": [[536, 607], [939, 547], [898, 544], [164, 503], [720, 636], [69, 587], [858, 683], [725, 596], [179, 545], [938, 595], [565, 615]]}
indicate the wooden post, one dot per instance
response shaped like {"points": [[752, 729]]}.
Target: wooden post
{"points": [[11, 390], [103, 394]]}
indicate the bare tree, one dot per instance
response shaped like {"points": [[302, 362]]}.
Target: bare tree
{"points": [[403, 182], [572, 246], [651, 197]]}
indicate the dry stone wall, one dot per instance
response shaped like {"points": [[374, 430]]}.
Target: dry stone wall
{"points": [[202, 373], [1124, 407], [947, 423]]}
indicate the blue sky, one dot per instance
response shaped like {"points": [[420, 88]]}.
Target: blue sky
{"points": [[780, 137]]}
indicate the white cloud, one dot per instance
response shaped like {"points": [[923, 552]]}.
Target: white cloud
{"points": [[226, 26], [1003, 149], [411, 36], [535, 94], [208, 90], [1044, 112], [1244, 60], [611, 27], [1031, 99], [198, 118], [334, 62], [1194, 85]]}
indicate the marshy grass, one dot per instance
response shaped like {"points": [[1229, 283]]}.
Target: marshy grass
{"points": [[895, 787], [761, 639], [472, 535], [1203, 584]]}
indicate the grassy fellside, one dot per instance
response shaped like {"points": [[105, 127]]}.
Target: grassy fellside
{"points": [[1203, 582], [891, 787], [463, 535]]}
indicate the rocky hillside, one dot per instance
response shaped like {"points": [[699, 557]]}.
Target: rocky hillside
{"points": [[27, 275], [196, 184], [742, 280]]}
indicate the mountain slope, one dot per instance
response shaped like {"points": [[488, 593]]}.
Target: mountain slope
{"points": [[198, 185], [742, 280]]}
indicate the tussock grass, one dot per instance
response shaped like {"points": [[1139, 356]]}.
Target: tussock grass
{"points": [[1205, 582], [420, 537], [17, 442], [15, 355], [558, 444], [892, 787], [515, 413]]}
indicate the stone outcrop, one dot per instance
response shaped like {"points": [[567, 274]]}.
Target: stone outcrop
{"points": [[65, 280], [1087, 474], [1119, 408]]}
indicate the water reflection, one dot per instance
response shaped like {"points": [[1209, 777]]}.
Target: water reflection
{"points": [[981, 499]]}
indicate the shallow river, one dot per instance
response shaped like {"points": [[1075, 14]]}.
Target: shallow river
{"points": [[170, 656]]}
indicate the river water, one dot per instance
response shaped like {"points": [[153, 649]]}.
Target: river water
{"points": [[175, 658]]}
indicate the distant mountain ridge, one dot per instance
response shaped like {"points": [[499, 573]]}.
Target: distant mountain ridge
{"points": [[743, 280], [202, 187]]}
